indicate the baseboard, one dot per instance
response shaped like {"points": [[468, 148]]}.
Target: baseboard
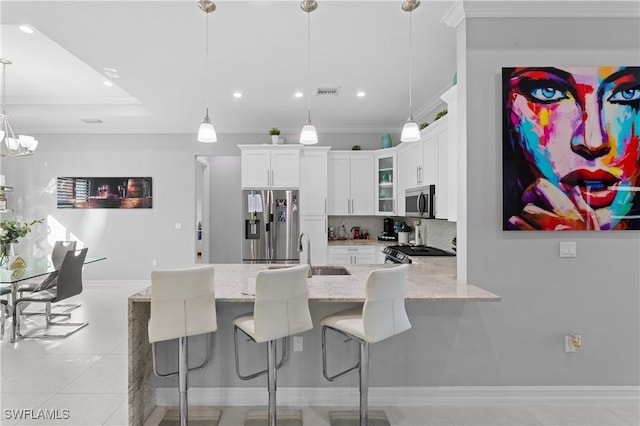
{"points": [[115, 283], [407, 396]]}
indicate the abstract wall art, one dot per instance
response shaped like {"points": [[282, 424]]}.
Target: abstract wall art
{"points": [[570, 145]]}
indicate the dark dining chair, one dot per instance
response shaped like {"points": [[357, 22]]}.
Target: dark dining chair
{"points": [[60, 249], [58, 286]]}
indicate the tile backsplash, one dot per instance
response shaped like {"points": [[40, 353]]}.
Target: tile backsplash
{"points": [[435, 232]]}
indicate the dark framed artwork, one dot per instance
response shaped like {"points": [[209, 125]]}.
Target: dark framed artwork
{"points": [[570, 145], [104, 193]]}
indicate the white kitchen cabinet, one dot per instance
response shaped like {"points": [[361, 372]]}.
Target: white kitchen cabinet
{"points": [[351, 183], [352, 255], [386, 185], [429, 167], [316, 228], [380, 256], [410, 164], [265, 166], [435, 169], [313, 180]]}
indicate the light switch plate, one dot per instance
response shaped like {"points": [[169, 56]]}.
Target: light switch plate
{"points": [[178, 226], [568, 249]]}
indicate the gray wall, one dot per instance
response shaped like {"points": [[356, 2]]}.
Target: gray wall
{"points": [[545, 297]]}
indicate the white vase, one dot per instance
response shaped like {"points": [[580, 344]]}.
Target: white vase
{"points": [[274, 139]]}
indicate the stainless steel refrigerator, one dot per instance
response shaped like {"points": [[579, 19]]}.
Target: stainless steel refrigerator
{"points": [[271, 226]]}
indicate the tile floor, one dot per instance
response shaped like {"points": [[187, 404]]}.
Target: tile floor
{"points": [[84, 378]]}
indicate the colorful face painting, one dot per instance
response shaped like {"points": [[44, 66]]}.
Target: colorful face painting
{"points": [[570, 148]]}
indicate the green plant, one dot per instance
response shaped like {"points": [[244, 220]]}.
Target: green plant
{"points": [[12, 230], [274, 131], [440, 114], [356, 148], [423, 125]]}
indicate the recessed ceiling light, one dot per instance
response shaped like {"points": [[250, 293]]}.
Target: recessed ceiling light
{"points": [[92, 120], [298, 94], [361, 94], [107, 83], [111, 72], [237, 94], [26, 29]]}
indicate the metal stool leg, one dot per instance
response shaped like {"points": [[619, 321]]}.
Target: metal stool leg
{"points": [[271, 379], [183, 369], [364, 383]]}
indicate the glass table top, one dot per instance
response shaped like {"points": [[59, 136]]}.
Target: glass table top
{"points": [[36, 267]]}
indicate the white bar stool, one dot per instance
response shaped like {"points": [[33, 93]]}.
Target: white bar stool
{"points": [[183, 304], [383, 315], [281, 309]]}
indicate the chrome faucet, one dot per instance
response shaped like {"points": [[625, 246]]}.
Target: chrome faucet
{"points": [[308, 250]]}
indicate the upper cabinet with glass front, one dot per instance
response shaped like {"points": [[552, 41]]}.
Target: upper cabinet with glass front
{"points": [[386, 182]]}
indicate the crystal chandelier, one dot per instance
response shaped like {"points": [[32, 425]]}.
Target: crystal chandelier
{"points": [[10, 146]]}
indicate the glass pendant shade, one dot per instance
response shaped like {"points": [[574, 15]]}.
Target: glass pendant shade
{"points": [[28, 142], [207, 133], [410, 132], [308, 135]]}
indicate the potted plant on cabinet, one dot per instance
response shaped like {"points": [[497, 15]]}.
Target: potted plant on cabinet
{"points": [[275, 135]]}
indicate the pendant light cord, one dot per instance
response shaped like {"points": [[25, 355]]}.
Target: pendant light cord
{"points": [[410, 67], [206, 65], [309, 67]]}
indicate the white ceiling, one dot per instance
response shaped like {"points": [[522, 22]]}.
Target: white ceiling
{"points": [[258, 48]]}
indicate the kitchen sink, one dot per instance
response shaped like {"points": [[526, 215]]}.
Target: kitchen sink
{"points": [[320, 270], [329, 270]]}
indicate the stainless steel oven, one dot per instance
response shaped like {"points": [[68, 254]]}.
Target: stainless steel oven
{"points": [[404, 253], [420, 202], [391, 255]]}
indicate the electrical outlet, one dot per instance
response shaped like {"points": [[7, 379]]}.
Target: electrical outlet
{"points": [[297, 343], [154, 262]]}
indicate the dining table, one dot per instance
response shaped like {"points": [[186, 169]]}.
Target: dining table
{"points": [[34, 267]]}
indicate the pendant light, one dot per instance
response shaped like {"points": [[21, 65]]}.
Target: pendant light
{"points": [[309, 135], [410, 130], [207, 133], [10, 146]]}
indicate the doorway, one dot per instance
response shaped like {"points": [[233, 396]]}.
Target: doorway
{"points": [[218, 209]]}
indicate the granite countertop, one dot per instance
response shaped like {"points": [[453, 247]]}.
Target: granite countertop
{"points": [[433, 280]]}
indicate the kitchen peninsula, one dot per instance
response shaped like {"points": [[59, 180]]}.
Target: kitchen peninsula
{"points": [[432, 281]]}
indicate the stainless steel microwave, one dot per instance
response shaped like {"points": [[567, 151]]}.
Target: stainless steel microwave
{"points": [[420, 202]]}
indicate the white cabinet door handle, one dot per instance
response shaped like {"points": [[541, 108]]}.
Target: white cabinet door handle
{"points": [[268, 178]]}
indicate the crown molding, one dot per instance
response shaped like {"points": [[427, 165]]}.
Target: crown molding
{"points": [[455, 15], [463, 9], [421, 113]]}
